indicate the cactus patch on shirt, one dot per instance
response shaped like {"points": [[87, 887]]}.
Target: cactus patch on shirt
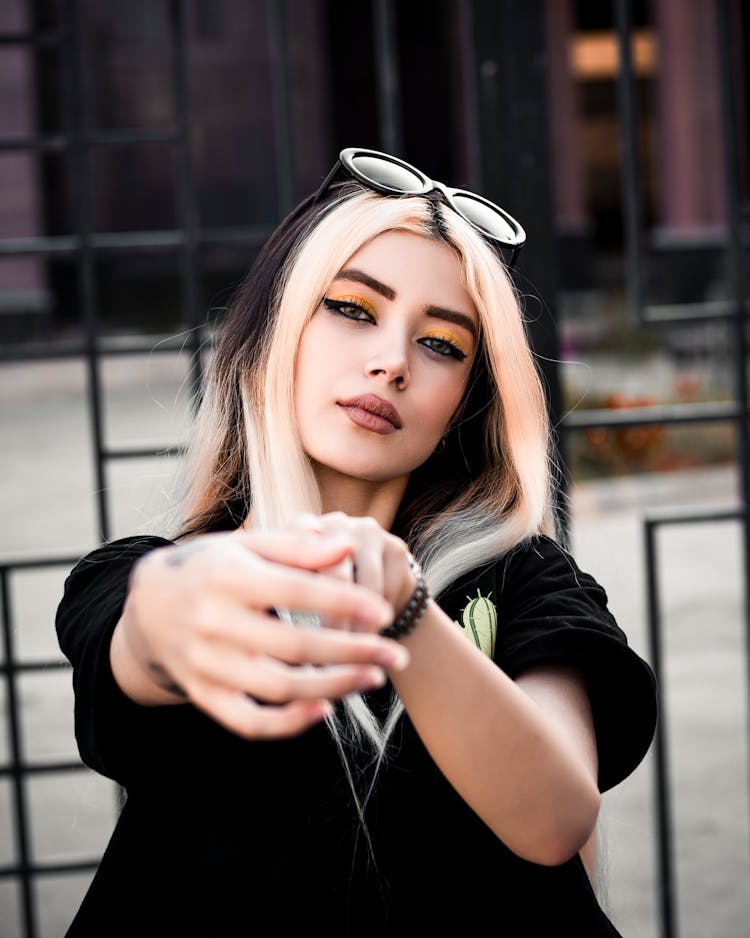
{"points": [[479, 622]]}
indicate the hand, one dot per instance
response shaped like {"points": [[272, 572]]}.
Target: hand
{"points": [[377, 560], [197, 621]]}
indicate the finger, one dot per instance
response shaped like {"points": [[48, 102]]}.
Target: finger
{"points": [[368, 572], [321, 595], [367, 555], [237, 713], [368, 560], [307, 522], [255, 633], [344, 572], [261, 584], [306, 549], [330, 526], [277, 682]]}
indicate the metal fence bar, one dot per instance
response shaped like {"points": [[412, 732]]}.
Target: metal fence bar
{"points": [[25, 667], [656, 415], [675, 313], [666, 886], [737, 288], [81, 202], [387, 81], [111, 138], [629, 167], [146, 452], [705, 516], [109, 347], [45, 768], [37, 562], [253, 235], [186, 195], [46, 144], [280, 102], [20, 808], [19, 667], [42, 869], [472, 155], [51, 37], [52, 245], [667, 882]]}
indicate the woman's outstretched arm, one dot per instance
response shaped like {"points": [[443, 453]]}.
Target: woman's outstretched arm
{"points": [[522, 753], [197, 625]]}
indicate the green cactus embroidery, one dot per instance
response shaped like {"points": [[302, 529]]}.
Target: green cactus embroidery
{"points": [[479, 622]]}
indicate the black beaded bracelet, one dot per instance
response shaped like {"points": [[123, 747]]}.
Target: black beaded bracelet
{"points": [[414, 608]]}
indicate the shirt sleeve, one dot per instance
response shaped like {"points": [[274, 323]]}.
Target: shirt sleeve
{"points": [[112, 731], [551, 611]]}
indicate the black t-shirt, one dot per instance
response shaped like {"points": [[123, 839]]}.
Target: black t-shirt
{"points": [[221, 836]]}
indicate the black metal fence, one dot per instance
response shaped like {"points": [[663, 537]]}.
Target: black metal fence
{"points": [[506, 78], [734, 311]]}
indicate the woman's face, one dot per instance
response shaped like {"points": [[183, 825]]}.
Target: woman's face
{"points": [[383, 363]]}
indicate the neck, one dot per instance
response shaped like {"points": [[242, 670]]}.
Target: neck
{"points": [[360, 497]]}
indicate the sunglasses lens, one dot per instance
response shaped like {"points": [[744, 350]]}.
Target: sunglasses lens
{"points": [[488, 219], [392, 177]]}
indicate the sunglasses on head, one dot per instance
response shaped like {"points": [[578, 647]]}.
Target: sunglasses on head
{"points": [[391, 176]]}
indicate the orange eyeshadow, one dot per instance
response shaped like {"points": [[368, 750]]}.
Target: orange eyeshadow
{"points": [[449, 337], [354, 300]]}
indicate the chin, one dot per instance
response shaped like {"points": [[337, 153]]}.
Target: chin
{"points": [[371, 473], [367, 470]]}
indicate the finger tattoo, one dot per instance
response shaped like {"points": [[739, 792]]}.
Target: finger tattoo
{"points": [[178, 556], [164, 681]]}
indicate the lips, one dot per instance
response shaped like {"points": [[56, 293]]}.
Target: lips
{"points": [[374, 406]]}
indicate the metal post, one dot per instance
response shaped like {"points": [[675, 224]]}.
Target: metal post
{"points": [[282, 122], [736, 288], [513, 126], [666, 887], [16, 771], [387, 75], [473, 157], [81, 202], [629, 164], [186, 197]]}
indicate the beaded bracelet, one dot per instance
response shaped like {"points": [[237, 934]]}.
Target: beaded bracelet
{"points": [[414, 608]]}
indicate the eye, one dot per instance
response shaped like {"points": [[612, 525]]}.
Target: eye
{"points": [[349, 308], [443, 347]]}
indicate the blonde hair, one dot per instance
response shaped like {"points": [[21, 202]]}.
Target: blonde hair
{"points": [[247, 454]]}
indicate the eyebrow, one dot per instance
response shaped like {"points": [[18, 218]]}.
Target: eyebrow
{"points": [[359, 276], [435, 312], [449, 315]]}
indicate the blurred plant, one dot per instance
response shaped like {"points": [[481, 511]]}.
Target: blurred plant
{"points": [[599, 452], [623, 449]]}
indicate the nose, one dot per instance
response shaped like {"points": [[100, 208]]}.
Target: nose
{"points": [[391, 361]]}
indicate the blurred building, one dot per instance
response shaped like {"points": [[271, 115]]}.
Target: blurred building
{"points": [[275, 89]]}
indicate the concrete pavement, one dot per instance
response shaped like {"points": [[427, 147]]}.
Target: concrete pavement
{"points": [[46, 507]]}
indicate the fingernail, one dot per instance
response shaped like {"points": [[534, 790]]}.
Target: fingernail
{"points": [[396, 659], [375, 677]]}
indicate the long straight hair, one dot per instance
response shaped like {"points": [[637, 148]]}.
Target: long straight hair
{"points": [[490, 487]]}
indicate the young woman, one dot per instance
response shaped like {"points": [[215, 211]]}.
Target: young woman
{"points": [[317, 735]]}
